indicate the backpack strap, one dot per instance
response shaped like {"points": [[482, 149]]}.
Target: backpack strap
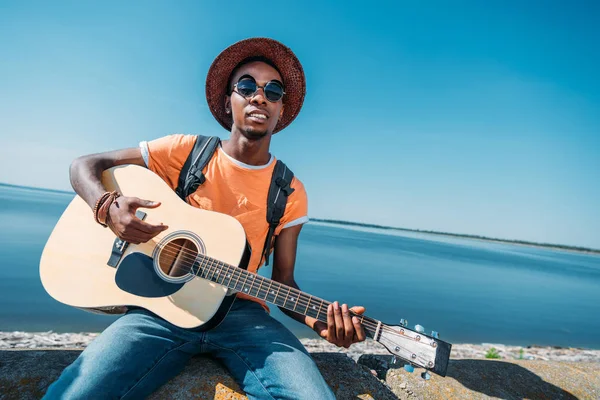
{"points": [[191, 175], [279, 190]]}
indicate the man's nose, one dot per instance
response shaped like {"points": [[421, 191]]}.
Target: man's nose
{"points": [[259, 96]]}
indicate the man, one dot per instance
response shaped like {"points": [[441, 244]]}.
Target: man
{"points": [[254, 88]]}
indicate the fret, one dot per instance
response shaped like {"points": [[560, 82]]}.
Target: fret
{"points": [[296, 304], [314, 308], [221, 270], [215, 274], [319, 310], [236, 281], [307, 299], [201, 270], [277, 295], [270, 292], [252, 277], [208, 269], [259, 287], [220, 273], [211, 270], [253, 286], [291, 299], [310, 308], [244, 288], [286, 297], [230, 276]]}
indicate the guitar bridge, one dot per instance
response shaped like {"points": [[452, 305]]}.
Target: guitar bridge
{"points": [[119, 246]]}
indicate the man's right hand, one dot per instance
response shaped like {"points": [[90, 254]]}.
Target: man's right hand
{"points": [[123, 222]]}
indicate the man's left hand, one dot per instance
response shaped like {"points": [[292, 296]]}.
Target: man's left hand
{"points": [[341, 329]]}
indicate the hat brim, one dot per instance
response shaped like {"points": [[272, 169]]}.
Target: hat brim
{"points": [[284, 59]]}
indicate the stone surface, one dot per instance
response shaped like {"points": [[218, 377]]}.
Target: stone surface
{"points": [[483, 379], [25, 374]]}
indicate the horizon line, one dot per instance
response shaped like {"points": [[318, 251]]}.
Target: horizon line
{"points": [[385, 227]]}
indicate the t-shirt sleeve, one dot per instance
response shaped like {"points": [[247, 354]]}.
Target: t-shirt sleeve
{"points": [[165, 156], [296, 209]]}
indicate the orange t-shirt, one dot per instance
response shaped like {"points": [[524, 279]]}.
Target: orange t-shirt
{"points": [[231, 187]]}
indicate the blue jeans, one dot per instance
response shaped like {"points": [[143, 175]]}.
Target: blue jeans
{"points": [[139, 352]]}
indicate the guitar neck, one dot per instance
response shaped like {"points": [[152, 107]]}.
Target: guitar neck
{"points": [[271, 291]]}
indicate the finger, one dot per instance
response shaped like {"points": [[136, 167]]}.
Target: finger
{"points": [[348, 326], [137, 202], [330, 323], [339, 322], [358, 310], [132, 238], [132, 235], [321, 329], [359, 332], [146, 227]]}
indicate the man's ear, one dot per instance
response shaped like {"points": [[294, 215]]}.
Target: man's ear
{"points": [[228, 104], [281, 112]]}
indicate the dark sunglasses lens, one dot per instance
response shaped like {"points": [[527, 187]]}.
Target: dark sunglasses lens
{"points": [[246, 87], [273, 91]]}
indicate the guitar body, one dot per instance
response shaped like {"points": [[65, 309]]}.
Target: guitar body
{"points": [[74, 265]]}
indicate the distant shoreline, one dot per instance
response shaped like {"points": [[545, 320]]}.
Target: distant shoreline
{"points": [[460, 235], [10, 185], [365, 225]]}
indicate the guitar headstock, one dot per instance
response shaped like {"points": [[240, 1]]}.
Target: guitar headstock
{"points": [[415, 347]]}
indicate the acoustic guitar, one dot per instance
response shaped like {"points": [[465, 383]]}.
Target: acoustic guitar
{"points": [[188, 274]]}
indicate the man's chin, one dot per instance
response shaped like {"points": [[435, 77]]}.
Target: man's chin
{"points": [[252, 133]]}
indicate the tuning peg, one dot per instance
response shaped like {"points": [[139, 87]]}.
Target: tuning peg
{"points": [[435, 335], [419, 328], [425, 375], [404, 322], [409, 368]]}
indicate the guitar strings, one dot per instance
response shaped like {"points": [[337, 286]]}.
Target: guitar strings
{"points": [[214, 263]]}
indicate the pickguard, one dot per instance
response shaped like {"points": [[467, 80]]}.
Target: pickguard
{"points": [[137, 276]]}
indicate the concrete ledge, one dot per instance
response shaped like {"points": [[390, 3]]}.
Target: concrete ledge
{"points": [[25, 374]]}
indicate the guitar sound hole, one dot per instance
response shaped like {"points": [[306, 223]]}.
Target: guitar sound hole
{"points": [[177, 257]]}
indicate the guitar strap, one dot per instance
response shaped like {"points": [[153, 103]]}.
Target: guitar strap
{"points": [[192, 176]]}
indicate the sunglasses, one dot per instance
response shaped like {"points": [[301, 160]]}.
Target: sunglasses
{"points": [[247, 87]]}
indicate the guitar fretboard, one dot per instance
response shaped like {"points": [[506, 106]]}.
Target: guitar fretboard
{"points": [[268, 290]]}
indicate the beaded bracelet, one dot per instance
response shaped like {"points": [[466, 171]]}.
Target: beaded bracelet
{"points": [[103, 205], [99, 202]]}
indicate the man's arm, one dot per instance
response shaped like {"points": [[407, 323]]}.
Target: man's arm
{"points": [[341, 329], [86, 172]]}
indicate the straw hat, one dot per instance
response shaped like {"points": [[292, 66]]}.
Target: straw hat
{"points": [[285, 60]]}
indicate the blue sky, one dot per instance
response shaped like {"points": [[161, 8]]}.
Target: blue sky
{"points": [[469, 117]]}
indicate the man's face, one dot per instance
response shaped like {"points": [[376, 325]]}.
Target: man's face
{"points": [[254, 116]]}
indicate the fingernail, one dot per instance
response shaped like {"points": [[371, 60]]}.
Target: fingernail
{"points": [[336, 305], [355, 320]]}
